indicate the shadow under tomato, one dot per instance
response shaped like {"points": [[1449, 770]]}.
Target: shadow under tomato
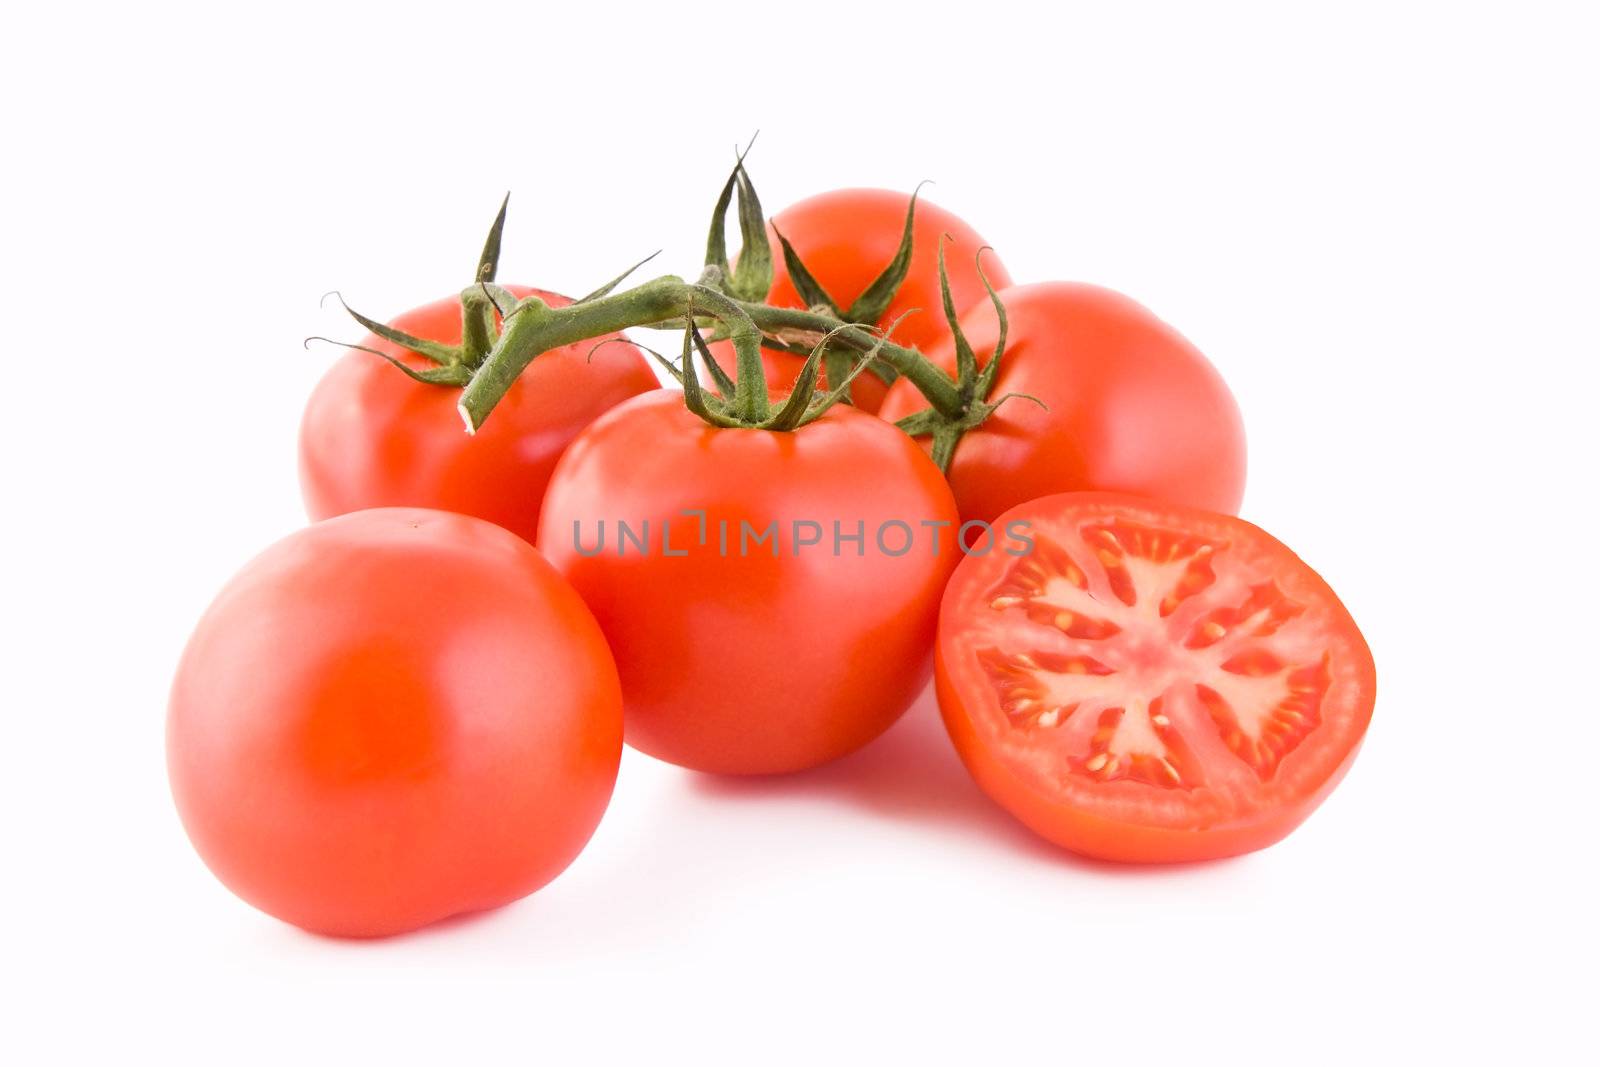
{"points": [[913, 773], [460, 920]]}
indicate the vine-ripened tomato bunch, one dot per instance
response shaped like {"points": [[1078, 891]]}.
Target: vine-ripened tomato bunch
{"points": [[876, 461]]}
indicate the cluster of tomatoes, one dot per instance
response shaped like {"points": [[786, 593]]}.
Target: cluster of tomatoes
{"points": [[462, 641]]}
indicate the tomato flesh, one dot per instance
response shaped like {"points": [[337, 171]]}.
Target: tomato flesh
{"points": [[1151, 682]]}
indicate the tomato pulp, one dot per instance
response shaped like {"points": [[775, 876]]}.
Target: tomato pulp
{"points": [[846, 238], [1122, 403], [750, 638], [372, 437], [392, 717], [1152, 682]]}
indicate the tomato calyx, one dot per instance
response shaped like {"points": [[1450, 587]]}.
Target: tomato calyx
{"points": [[750, 279], [482, 303], [874, 301], [756, 409], [973, 384], [485, 308]]}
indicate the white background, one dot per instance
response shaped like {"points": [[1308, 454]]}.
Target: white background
{"points": [[1378, 220]]}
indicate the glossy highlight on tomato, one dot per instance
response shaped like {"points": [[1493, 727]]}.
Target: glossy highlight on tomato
{"points": [[1153, 683], [1121, 403], [741, 655], [392, 717], [372, 437], [846, 238]]}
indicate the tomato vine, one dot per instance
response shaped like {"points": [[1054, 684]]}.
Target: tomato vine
{"points": [[730, 299]]}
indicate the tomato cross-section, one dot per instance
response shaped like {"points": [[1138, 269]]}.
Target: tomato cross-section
{"points": [[1151, 682]]}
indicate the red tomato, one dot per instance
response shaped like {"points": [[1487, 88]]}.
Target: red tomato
{"points": [[846, 238], [1130, 406], [1152, 682], [392, 717], [372, 437], [765, 655]]}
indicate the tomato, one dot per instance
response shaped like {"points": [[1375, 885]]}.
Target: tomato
{"points": [[846, 238], [1152, 682], [372, 437], [741, 654], [392, 717], [1128, 406]]}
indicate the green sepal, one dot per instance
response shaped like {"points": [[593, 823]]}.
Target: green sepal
{"points": [[479, 306], [717, 238], [921, 423], [695, 398], [966, 361], [874, 301], [751, 402], [618, 280], [943, 448], [837, 365], [455, 374], [1017, 396], [702, 404], [489, 260], [725, 384], [793, 412], [972, 384], [803, 405], [991, 370], [439, 353], [797, 407], [804, 283], [752, 277], [670, 367], [842, 390], [944, 430], [884, 372]]}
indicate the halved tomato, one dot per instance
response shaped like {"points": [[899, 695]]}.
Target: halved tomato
{"points": [[1151, 682]]}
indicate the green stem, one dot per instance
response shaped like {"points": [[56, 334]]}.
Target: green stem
{"points": [[536, 327], [934, 384], [477, 326], [750, 399]]}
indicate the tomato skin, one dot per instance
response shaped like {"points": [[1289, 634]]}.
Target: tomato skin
{"points": [[846, 238], [392, 717], [746, 663], [372, 437], [1130, 406], [1042, 794]]}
